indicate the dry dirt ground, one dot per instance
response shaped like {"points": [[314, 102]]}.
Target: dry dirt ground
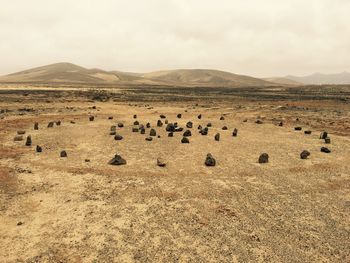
{"points": [[56, 209]]}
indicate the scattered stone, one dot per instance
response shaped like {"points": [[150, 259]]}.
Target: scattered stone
{"points": [[209, 124], [166, 121], [161, 162], [135, 116], [280, 124], [39, 149], [170, 127], [117, 160], [327, 140], [304, 154], [136, 123], [36, 126], [209, 160], [20, 223], [178, 129], [162, 116], [187, 133], [307, 132], [72, 122], [159, 123], [258, 122], [235, 132], [152, 132], [21, 132], [323, 135], [189, 125], [185, 140], [325, 150], [58, 123], [200, 127], [110, 118], [29, 141], [148, 125], [87, 160], [135, 129], [245, 120], [222, 118], [170, 134], [18, 138], [113, 128], [179, 116], [63, 154], [142, 130], [225, 128], [199, 116], [118, 137], [94, 107], [50, 125], [149, 139], [217, 137], [204, 131], [112, 133], [91, 118], [264, 158]]}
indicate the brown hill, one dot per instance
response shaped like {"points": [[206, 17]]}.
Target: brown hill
{"points": [[284, 81]]}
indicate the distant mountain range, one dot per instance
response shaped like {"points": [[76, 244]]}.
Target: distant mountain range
{"points": [[70, 73], [320, 79]]}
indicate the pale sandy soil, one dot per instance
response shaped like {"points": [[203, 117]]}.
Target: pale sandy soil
{"points": [[289, 210]]}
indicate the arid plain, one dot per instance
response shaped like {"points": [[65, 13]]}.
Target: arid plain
{"points": [[81, 209]]}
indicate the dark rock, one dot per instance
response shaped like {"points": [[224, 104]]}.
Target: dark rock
{"points": [[63, 154], [199, 116], [178, 129], [222, 118], [39, 149], [323, 135], [161, 162], [170, 134], [87, 160], [143, 130], [298, 128], [159, 123], [264, 158], [21, 132], [148, 125], [179, 115], [217, 137], [50, 125], [58, 123], [72, 122], [280, 124], [162, 116], [187, 133], [258, 122], [225, 128], [200, 127], [209, 160], [304, 154], [149, 139], [204, 131], [185, 140], [153, 132], [118, 137], [136, 123], [112, 133], [113, 128], [189, 125], [91, 118], [29, 141], [120, 125], [235, 132], [166, 121], [135, 116], [18, 138], [307, 132], [245, 120], [325, 150], [209, 124], [327, 140], [135, 129], [36, 126], [110, 118], [170, 127], [117, 160]]}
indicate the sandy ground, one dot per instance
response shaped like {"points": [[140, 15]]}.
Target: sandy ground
{"points": [[56, 209]]}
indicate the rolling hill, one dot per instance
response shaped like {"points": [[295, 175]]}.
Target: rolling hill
{"points": [[70, 73], [322, 79]]}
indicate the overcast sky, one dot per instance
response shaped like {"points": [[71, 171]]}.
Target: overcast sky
{"points": [[253, 37]]}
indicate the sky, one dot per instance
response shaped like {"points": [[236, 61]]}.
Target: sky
{"points": [[261, 38]]}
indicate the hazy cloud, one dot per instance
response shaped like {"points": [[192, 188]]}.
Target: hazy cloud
{"points": [[254, 37]]}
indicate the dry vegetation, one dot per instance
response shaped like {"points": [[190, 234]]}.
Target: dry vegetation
{"points": [[55, 209]]}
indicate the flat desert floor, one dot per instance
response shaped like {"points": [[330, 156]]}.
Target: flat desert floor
{"points": [[55, 209]]}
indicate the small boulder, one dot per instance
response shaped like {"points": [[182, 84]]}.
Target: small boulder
{"points": [[222, 118], [136, 123], [199, 116], [21, 132], [209, 124], [36, 126], [179, 116], [149, 139], [170, 134], [91, 118], [185, 140], [170, 127], [118, 137], [113, 128], [224, 128], [304, 154], [153, 132], [200, 127], [257, 122], [217, 137], [135, 116], [298, 128], [18, 138], [39, 149], [117, 160], [187, 133], [120, 125], [110, 118], [323, 135], [135, 129], [50, 125], [148, 125], [142, 130], [63, 154], [204, 131], [159, 123], [325, 150], [162, 116], [263, 158], [327, 140], [307, 132], [178, 129], [58, 123], [112, 133], [235, 132], [161, 162], [280, 124], [29, 141], [209, 160], [189, 125]]}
